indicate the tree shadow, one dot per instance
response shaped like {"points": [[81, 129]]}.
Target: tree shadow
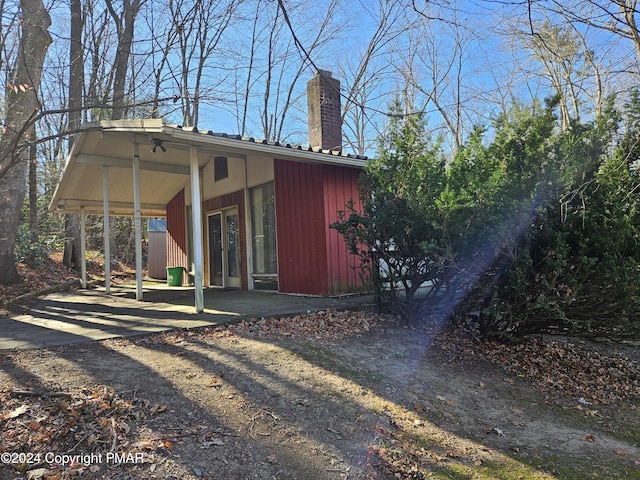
{"points": [[252, 426], [318, 421], [53, 322], [337, 404]]}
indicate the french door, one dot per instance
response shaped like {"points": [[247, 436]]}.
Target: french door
{"points": [[224, 249]]}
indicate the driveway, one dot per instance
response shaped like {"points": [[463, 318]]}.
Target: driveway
{"points": [[86, 315]]}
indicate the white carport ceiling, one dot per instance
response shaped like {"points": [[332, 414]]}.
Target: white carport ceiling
{"points": [[162, 174]]}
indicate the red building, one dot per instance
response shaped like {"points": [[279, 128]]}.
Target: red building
{"points": [[240, 213]]}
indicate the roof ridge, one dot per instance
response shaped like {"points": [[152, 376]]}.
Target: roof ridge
{"points": [[332, 152]]}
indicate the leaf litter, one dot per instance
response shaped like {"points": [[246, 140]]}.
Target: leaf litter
{"points": [[78, 422], [99, 418], [565, 368]]}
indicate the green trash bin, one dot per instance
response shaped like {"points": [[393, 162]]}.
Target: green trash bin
{"points": [[174, 276]]}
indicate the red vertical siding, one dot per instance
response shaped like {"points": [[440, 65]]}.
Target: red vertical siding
{"points": [[177, 232], [301, 226], [340, 186]]}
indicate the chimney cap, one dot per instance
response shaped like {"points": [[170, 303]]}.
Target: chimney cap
{"points": [[324, 73]]}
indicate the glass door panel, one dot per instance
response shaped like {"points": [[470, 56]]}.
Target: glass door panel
{"points": [[224, 249], [216, 273], [233, 249]]}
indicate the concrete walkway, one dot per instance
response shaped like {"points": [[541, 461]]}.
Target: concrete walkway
{"points": [[87, 315]]}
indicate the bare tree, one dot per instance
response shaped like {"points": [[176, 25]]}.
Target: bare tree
{"points": [[562, 58], [22, 106], [98, 40], [243, 101], [618, 17], [76, 61], [558, 53], [199, 27], [163, 42], [285, 64], [437, 73], [366, 73], [268, 86], [124, 22], [111, 23], [598, 91]]}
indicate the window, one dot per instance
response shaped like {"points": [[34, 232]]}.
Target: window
{"points": [[263, 225], [220, 168]]}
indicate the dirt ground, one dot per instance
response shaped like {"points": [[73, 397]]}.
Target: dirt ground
{"points": [[257, 401]]}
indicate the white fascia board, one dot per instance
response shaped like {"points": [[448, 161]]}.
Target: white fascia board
{"points": [[149, 125]]}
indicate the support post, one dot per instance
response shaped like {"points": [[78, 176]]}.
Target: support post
{"points": [[107, 234], [83, 247], [196, 208], [249, 226], [137, 220]]}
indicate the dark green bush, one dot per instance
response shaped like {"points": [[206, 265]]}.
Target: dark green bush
{"points": [[539, 230], [30, 252]]}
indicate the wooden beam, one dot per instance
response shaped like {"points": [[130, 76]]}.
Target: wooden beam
{"points": [[106, 161], [76, 204]]}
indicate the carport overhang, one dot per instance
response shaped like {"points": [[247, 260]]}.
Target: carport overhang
{"points": [[164, 164], [132, 168], [135, 167], [164, 173]]}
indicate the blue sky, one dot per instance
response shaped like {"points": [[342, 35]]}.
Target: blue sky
{"points": [[489, 69]]}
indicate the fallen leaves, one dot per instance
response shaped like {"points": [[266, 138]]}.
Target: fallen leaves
{"points": [[86, 420], [566, 368], [16, 413], [326, 326], [534, 360], [51, 273], [404, 454], [157, 409]]}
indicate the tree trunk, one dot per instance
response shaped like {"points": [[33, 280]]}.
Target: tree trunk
{"points": [[21, 109], [125, 39], [76, 87], [33, 194], [125, 24], [71, 255], [76, 72]]}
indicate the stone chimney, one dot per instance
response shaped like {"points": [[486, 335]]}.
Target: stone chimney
{"points": [[325, 120]]}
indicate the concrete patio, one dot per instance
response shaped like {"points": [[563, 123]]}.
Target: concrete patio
{"points": [[87, 315]]}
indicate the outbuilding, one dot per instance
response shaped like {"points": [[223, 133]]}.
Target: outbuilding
{"points": [[240, 213]]}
